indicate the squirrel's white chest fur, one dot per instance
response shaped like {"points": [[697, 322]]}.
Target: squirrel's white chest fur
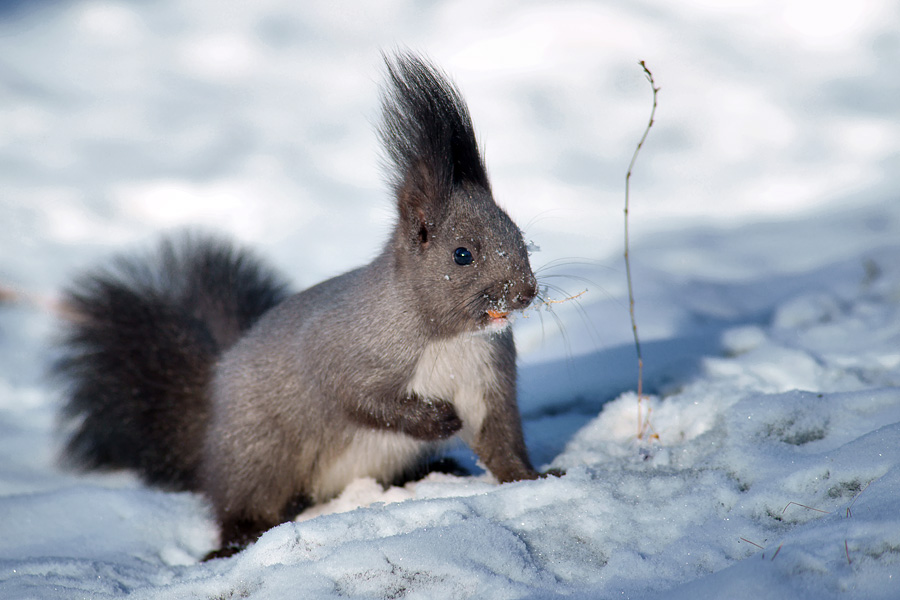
{"points": [[458, 370]]}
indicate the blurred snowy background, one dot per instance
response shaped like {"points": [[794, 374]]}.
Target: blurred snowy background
{"points": [[766, 234], [121, 118]]}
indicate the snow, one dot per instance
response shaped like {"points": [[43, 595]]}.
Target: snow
{"points": [[765, 227]]}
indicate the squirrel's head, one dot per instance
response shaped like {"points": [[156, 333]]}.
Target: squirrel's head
{"points": [[462, 257]]}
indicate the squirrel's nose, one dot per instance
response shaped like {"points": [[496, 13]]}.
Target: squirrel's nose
{"points": [[523, 292]]}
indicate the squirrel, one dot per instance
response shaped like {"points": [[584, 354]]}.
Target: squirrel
{"points": [[196, 368]]}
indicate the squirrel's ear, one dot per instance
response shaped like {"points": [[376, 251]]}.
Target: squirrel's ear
{"points": [[429, 142], [420, 202]]}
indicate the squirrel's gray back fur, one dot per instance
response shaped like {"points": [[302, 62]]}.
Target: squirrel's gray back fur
{"points": [[361, 375]]}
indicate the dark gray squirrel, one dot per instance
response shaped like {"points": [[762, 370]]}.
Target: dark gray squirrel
{"points": [[196, 368]]}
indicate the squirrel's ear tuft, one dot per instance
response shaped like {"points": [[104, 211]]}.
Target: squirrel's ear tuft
{"points": [[428, 138]]}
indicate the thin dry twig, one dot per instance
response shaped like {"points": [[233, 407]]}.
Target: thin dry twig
{"points": [[575, 297], [777, 550], [753, 543], [643, 423], [55, 306], [855, 498], [803, 506]]}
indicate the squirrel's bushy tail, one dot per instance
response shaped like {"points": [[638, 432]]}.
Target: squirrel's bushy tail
{"points": [[138, 355]]}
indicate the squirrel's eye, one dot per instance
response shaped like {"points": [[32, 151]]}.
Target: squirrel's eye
{"points": [[462, 257]]}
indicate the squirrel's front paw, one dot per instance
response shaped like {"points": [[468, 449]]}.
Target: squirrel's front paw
{"points": [[431, 420]]}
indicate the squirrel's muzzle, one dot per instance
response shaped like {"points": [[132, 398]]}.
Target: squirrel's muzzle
{"points": [[522, 292]]}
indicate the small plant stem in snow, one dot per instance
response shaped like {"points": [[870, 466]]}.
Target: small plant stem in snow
{"points": [[643, 421], [803, 506], [753, 543]]}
